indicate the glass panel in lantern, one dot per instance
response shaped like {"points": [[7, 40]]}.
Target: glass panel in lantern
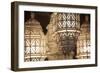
{"points": [[59, 24], [38, 49], [32, 42], [37, 42], [68, 23], [33, 49], [27, 42], [64, 16], [27, 50], [68, 16], [73, 24], [73, 16], [64, 24]]}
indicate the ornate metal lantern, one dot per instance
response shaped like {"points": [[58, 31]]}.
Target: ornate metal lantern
{"points": [[68, 31], [65, 29], [83, 42], [35, 47]]}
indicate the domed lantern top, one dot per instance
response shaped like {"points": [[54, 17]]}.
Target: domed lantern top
{"points": [[33, 22]]}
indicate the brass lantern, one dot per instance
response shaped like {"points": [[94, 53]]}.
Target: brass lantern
{"points": [[65, 29], [83, 42], [68, 31], [35, 47]]}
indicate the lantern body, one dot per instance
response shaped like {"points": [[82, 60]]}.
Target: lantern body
{"points": [[83, 42], [35, 47], [63, 31]]}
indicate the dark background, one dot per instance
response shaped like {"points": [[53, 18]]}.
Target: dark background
{"points": [[44, 18]]}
